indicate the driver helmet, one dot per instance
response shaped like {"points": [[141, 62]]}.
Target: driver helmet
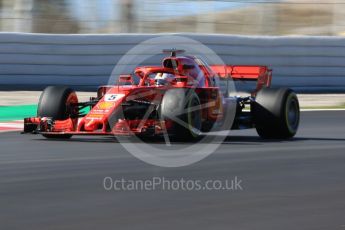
{"points": [[164, 78]]}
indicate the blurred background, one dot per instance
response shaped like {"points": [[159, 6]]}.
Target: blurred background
{"points": [[246, 17]]}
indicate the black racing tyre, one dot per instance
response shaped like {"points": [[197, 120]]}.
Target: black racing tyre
{"points": [[55, 103], [183, 108], [276, 113]]}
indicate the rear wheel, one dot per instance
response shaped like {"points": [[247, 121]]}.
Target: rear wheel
{"points": [[183, 108], [276, 113], [55, 102]]}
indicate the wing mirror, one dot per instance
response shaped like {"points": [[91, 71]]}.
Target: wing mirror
{"points": [[126, 79], [186, 67]]}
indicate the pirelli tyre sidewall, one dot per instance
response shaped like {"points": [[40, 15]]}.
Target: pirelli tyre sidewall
{"points": [[276, 113], [54, 103], [182, 107]]}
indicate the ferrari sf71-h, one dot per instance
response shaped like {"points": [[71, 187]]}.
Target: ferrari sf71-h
{"points": [[183, 97]]}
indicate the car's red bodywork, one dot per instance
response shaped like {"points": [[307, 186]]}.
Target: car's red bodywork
{"points": [[189, 72]]}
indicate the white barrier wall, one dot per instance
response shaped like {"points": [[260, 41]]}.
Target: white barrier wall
{"points": [[30, 61]]}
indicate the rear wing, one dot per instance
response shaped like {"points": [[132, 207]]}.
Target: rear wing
{"points": [[261, 74]]}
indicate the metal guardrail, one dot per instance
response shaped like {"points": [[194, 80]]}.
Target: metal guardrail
{"points": [[33, 61]]}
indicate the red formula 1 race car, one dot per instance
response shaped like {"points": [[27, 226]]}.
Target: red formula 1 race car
{"points": [[182, 97]]}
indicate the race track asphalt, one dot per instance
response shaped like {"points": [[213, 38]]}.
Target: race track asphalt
{"points": [[296, 184]]}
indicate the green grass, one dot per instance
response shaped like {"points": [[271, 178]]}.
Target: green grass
{"points": [[10, 113], [19, 112], [324, 107], [342, 106]]}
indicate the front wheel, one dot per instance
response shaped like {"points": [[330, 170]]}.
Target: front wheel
{"points": [[55, 102], [182, 107], [276, 113]]}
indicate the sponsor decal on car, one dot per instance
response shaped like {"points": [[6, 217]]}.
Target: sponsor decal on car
{"points": [[93, 115], [105, 105]]}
